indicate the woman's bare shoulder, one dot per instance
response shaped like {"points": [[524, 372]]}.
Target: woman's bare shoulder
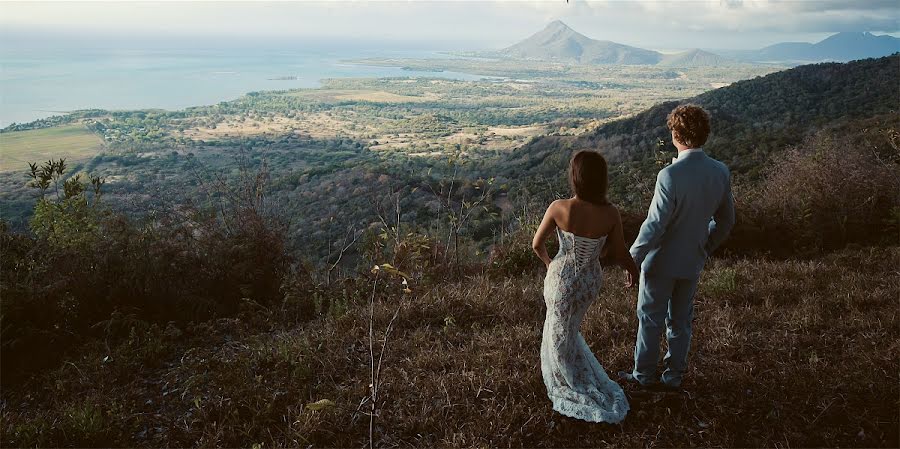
{"points": [[559, 205], [610, 210]]}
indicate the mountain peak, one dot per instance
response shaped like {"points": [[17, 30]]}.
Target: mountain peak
{"points": [[557, 25], [558, 42]]}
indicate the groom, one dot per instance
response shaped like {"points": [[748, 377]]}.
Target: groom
{"points": [[673, 245]]}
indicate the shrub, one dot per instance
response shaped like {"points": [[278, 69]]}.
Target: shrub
{"points": [[823, 194], [84, 266]]}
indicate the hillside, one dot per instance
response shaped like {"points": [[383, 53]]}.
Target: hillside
{"points": [[694, 58], [845, 46], [797, 352], [752, 119], [558, 42]]}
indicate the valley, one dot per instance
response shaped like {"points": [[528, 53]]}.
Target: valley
{"points": [[330, 152]]}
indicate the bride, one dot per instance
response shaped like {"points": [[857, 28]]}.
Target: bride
{"points": [[576, 383]]}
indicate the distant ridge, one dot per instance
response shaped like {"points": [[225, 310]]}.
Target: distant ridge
{"points": [[558, 42], [839, 47], [694, 58]]}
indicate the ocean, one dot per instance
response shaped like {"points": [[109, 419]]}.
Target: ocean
{"points": [[38, 84]]}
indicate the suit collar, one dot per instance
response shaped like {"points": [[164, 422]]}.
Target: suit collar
{"points": [[692, 152]]}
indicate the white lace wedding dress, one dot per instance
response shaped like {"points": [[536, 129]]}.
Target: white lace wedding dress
{"points": [[576, 383]]}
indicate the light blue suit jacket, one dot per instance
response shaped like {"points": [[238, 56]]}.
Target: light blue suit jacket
{"points": [[691, 214]]}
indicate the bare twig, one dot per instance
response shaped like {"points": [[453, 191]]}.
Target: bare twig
{"points": [[341, 255], [372, 390], [387, 333]]}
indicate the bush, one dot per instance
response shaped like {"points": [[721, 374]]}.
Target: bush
{"points": [[823, 194], [84, 265]]}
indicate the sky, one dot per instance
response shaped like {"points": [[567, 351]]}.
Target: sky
{"points": [[447, 24]]}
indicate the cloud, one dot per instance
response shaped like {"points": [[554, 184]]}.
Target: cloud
{"points": [[483, 23], [779, 16]]}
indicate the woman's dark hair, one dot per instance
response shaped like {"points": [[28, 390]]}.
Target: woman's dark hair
{"points": [[588, 176]]}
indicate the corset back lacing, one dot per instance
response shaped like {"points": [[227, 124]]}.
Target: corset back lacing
{"points": [[583, 249]]}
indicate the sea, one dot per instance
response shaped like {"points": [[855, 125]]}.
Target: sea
{"points": [[39, 83]]}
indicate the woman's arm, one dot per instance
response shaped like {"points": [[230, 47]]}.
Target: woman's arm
{"points": [[620, 252], [548, 224]]}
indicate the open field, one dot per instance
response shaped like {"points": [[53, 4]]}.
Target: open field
{"points": [[73, 142], [385, 97], [238, 127]]}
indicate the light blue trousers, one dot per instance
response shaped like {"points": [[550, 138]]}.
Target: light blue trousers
{"points": [[669, 302]]}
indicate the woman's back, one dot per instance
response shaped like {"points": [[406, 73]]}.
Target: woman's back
{"points": [[585, 219]]}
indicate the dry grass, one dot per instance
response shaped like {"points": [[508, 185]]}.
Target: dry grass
{"points": [[786, 353], [518, 131], [72, 142], [318, 125], [385, 97], [236, 129]]}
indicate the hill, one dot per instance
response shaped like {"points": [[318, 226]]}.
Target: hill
{"points": [[752, 119], [694, 58], [558, 42], [845, 46]]}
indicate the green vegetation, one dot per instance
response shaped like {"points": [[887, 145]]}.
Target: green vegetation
{"points": [[753, 122], [333, 151], [754, 119]]}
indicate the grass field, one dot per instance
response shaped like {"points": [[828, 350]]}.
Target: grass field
{"points": [[72, 142], [360, 94], [384, 97]]}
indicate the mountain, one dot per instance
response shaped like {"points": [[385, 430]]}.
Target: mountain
{"points": [[558, 42], [694, 58], [839, 47], [751, 119]]}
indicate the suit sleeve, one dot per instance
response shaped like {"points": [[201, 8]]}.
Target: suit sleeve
{"points": [[654, 227], [723, 219]]}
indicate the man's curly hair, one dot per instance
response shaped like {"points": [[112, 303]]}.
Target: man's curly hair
{"points": [[690, 123]]}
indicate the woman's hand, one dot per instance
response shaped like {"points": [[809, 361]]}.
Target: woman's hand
{"points": [[631, 275], [623, 257]]}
